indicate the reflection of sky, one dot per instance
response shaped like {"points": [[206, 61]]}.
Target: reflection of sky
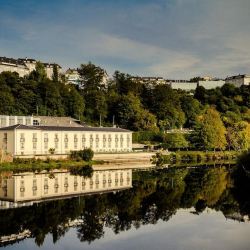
{"points": [[210, 230]]}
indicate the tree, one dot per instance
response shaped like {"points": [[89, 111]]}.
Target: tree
{"points": [[131, 114], [39, 73], [191, 107], [238, 136], [209, 132], [55, 76], [92, 76], [175, 140]]}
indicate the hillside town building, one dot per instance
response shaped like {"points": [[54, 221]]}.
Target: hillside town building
{"points": [[238, 80], [72, 76], [25, 66]]}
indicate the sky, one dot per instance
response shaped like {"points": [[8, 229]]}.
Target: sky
{"points": [[174, 39]]}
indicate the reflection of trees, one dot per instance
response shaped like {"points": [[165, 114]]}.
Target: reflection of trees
{"points": [[155, 195]]}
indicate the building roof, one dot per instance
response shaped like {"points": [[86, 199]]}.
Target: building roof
{"points": [[19, 126], [58, 121], [59, 128], [237, 77], [12, 61]]}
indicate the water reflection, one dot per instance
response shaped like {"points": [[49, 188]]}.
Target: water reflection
{"points": [[156, 196], [26, 188]]}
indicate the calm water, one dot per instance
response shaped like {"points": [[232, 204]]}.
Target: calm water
{"points": [[196, 208]]}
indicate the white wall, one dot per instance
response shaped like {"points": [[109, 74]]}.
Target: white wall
{"points": [[31, 142]]}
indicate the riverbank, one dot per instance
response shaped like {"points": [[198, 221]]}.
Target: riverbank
{"points": [[133, 157], [48, 165], [185, 157]]}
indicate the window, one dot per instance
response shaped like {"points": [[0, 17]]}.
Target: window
{"points": [[28, 121], [56, 186], [97, 141], [83, 141], [66, 140], [12, 121], [34, 188], [75, 183], [104, 139], [109, 141], [116, 141], [75, 141], [19, 120], [66, 184], [34, 140], [91, 141], [22, 188], [56, 141], [3, 122], [121, 141], [46, 186], [35, 122], [22, 141], [46, 140]]}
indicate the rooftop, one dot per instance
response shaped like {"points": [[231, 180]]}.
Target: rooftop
{"points": [[56, 128]]}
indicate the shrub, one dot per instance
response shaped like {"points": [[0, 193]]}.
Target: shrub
{"points": [[86, 154]]}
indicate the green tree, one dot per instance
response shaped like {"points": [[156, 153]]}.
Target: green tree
{"points": [[55, 76], [209, 132], [92, 76], [175, 141], [131, 114]]}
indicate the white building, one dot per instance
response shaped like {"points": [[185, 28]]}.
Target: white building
{"points": [[30, 141], [25, 66], [238, 80], [183, 85], [150, 81], [211, 84], [72, 76], [6, 121]]}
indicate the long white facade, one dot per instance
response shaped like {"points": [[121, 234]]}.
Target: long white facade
{"points": [[238, 80], [31, 141]]}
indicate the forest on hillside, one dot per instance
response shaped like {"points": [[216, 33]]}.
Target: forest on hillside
{"points": [[132, 105]]}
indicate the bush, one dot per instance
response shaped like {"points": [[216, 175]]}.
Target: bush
{"points": [[86, 154], [151, 136]]}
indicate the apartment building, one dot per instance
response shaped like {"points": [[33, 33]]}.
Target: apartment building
{"points": [[24, 66], [238, 80]]}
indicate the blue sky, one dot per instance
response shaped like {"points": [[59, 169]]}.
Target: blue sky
{"points": [[169, 38]]}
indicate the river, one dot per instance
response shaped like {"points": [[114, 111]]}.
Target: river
{"points": [[174, 208]]}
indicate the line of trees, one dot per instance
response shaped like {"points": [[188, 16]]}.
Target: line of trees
{"points": [[220, 117]]}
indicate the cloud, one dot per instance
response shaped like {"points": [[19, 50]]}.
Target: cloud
{"points": [[169, 38]]}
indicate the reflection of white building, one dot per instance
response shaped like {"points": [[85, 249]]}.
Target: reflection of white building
{"points": [[238, 80], [30, 141], [25, 66], [28, 188]]}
